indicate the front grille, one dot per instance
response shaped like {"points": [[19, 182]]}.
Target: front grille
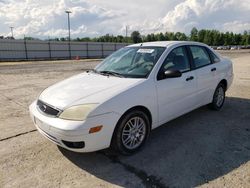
{"points": [[47, 109]]}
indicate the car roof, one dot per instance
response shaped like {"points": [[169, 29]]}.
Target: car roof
{"points": [[167, 43]]}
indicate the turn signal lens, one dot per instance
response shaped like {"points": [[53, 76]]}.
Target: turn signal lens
{"points": [[95, 129]]}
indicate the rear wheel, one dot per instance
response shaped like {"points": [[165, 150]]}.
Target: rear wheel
{"points": [[218, 97], [131, 132]]}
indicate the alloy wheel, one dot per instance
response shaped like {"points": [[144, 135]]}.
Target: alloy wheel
{"points": [[133, 133]]}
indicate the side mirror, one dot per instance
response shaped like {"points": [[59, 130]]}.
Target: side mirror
{"points": [[172, 73]]}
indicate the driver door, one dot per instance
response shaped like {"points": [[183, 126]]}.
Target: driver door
{"points": [[176, 96]]}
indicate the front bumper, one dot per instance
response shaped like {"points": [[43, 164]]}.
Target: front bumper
{"points": [[62, 132]]}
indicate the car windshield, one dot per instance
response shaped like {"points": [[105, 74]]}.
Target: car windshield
{"points": [[131, 62]]}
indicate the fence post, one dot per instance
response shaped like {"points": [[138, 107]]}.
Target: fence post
{"points": [[87, 50], [25, 48], [102, 50], [69, 50], [49, 50]]}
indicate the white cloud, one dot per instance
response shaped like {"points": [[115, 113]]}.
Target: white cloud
{"points": [[43, 18], [64, 32], [236, 26], [97, 17], [205, 14]]}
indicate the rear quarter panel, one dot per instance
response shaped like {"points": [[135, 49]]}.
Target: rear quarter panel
{"points": [[225, 71]]}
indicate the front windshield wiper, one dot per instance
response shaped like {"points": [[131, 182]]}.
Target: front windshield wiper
{"points": [[111, 73]]}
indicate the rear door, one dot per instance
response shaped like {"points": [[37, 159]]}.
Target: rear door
{"points": [[205, 71]]}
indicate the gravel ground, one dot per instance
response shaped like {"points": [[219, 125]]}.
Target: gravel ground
{"points": [[202, 148]]}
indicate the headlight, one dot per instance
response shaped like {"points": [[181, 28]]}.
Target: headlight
{"points": [[78, 113]]}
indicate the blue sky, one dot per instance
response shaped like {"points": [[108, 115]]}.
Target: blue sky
{"points": [[90, 18]]}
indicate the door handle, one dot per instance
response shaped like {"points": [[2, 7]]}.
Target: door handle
{"points": [[213, 69], [189, 78]]}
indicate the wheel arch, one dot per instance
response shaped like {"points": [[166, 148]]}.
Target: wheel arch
{"points": [[139, 107], [223, 82]]}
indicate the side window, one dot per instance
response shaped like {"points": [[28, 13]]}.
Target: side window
{"points": [[200, 56], [215, 58], [177, 59]]}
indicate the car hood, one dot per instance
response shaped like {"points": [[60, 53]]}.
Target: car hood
{"points": [[83, 86]]}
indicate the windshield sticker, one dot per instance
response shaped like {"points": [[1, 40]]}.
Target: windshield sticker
{"points": [[144, 50]]}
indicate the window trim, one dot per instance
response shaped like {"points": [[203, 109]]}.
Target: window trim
{"points": [[210, 52], [188, 57]]}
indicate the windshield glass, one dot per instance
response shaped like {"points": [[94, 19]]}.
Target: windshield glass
{"points": [[132, 62]]}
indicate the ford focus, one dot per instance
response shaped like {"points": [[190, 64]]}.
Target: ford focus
{"points": [[130, 93]]}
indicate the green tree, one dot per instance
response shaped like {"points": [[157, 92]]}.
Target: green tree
{"points": [[166, 36], [120, 38], [245, 38], [62, 39], [148, 38], [237, 38], [216, 38], [201, 35], [153, 38], [194, 34], [136, 37], [227, 39], [170, 36], [160, 37], [180, 36]]}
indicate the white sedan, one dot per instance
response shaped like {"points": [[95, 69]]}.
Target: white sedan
{"points": [[131, 92]]}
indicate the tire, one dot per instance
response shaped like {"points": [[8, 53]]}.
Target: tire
{"points": [[131, 132], [218, 97]]}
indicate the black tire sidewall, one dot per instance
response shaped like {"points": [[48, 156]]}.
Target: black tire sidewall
{"points": [[214, 104], [117, 137]]}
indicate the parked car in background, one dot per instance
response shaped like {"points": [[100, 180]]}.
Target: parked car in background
{"points": [[234, 48], [220, 48], [213, 47], [130, 93], [223, 48], [245, 47]]}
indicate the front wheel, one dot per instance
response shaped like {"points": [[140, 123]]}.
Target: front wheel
{"points": [[131, 132], [218, 97]]}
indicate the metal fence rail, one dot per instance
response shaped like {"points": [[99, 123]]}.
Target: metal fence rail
{"points": [[36, 50]]}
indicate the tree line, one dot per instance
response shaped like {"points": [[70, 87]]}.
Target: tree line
{"points": [[210, 37]]}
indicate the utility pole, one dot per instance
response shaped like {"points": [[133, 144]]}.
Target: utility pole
{"points": [[11, 28], [68, 12]]}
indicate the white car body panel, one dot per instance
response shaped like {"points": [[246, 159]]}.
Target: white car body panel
{"points": [[206, 83], [165, 99], [176, 96]]}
